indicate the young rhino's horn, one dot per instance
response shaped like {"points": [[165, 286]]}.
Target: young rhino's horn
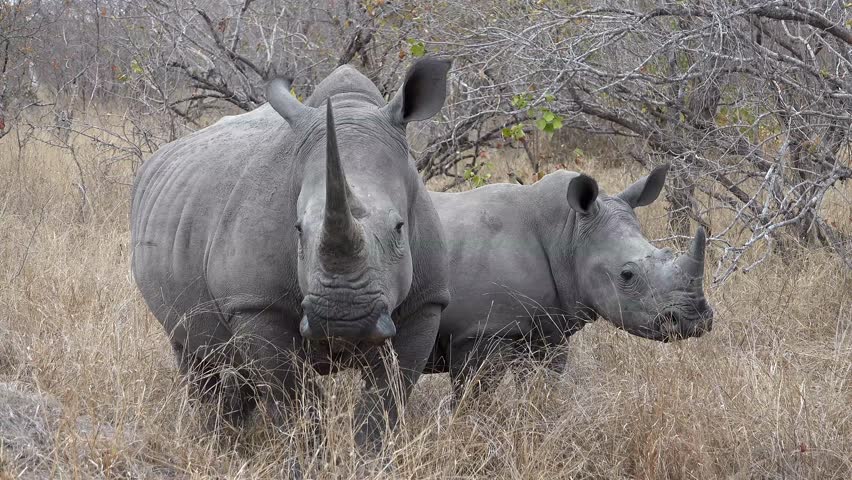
{"points": [[692, 263]]}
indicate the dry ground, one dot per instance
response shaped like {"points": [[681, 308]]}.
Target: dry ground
{"points": [[89, 387]]}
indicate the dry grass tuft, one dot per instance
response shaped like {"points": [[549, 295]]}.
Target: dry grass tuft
{"points": [[767, 394]]}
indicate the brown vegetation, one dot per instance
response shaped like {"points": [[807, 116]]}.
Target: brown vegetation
{"points": [[748, 100], [766, 395]]}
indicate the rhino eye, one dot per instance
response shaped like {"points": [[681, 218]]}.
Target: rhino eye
{"points": [[399, 226], [298, 228], [626, 275]]}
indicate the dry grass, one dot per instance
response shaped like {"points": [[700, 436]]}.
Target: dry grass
{"points": [[766, 395]]}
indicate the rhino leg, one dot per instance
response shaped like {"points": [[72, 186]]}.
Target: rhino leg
{"points": [[273, 356], [552, 355], [552, 358], [556, 362], [215, 379], [476, 368], [386, 391]]}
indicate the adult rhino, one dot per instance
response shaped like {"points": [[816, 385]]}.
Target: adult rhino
{"points": [[530, 265], [297, 231]]}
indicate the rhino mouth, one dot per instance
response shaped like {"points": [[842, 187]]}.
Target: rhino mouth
{"points": [[372, 331], [676, 324], [361, 321]]}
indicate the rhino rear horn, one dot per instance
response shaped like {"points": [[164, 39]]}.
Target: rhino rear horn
{"points": [[341, 236]]}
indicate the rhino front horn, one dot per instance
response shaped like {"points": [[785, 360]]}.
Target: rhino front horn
{"points": [[341, 236], [698, 244], [692, 263]]}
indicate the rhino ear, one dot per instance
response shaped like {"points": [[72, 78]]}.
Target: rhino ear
{"points": [[422, 93], [645, 190], [278, 94], [582, 194]]}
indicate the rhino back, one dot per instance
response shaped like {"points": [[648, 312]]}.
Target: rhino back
{"points": [[498, 266]]}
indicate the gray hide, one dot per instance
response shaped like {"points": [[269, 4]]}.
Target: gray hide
{"points": [[297, 229], [530, 265]]}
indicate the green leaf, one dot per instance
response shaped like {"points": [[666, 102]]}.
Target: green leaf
{"points": [[515, 132], [548, 116], [549, 98], [477, 176], [540, 124], [136, 68], [521, 101], [683, 62], [416, 47], [557, 123]]}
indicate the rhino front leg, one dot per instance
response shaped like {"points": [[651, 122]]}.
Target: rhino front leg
{"points": [[476, 367], [549, 361], [386, 388], [215, 378], [271, 354]]}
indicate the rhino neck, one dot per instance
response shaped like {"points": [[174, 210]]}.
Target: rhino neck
{"points": [[567, 275], [555, 226]]}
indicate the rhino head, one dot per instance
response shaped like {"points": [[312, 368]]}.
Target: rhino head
{"points": [[642, 289], [353, 210]]}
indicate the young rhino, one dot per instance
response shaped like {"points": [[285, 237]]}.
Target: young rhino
{"points": [[530, 265]]}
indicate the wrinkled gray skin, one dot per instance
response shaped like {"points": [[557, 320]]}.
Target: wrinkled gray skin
{"points": [[297, 229], [530, 265]]}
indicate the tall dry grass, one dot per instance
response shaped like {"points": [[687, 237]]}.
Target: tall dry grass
{"points": [[766, 395]]}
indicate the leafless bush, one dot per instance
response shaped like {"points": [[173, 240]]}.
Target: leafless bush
{"points": [[21, 24], [748, 100]]}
